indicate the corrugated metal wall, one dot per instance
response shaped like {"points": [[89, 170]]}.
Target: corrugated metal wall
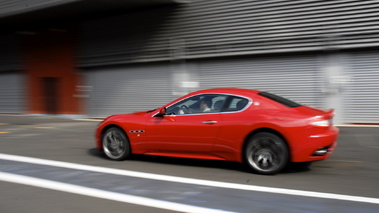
{"points": [[362, 94], [12, 92], [208, 34], [127, 89], [141, 87], [296, 77], [12, 89], [10, 54], [12, 7], [215, 30], [224, 28], [122, 39]]}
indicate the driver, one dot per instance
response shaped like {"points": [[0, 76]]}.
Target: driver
{"points": [[205, 105]]}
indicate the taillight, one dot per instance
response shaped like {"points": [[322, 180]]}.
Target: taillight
{"points": [[322, 122]]}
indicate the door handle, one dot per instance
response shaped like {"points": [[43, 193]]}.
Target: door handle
{"points": [[209, 122]]}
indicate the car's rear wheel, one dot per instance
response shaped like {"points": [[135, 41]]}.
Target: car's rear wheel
{"points": [[116, 144], [266, 153]]}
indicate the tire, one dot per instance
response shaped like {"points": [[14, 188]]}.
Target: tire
{"points": [[266, 153], [116, 144]]}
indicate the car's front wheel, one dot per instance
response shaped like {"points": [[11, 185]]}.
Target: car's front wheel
{"points": [[116, 144], [266, 153]]}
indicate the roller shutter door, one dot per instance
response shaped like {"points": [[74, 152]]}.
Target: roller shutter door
{"points": [[215, 28], [362, 94], [297, 78], [12, 93], [127, 89]]}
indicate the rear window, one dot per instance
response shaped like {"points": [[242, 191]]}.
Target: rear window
{"points": [[279, 99]]}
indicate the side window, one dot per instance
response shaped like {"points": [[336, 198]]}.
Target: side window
{"points": [[208, 103], [182, 107], [236, 104], [218, 102]]}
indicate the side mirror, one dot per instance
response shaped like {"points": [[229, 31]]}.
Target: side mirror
{"points": [[162, 112]]}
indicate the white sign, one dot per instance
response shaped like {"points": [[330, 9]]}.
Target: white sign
{"points": [[189, 84], [341, 79]]}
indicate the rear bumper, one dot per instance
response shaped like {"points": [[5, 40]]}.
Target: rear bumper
{"points": [[316, 147]]}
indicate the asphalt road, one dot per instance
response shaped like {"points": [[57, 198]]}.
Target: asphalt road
{"points": [[351, 172]]}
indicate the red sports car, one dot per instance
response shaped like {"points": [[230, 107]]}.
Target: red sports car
{"points": [[261, 129]]}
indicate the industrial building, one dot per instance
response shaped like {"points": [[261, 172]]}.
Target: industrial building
{"points": [[100, 57]]}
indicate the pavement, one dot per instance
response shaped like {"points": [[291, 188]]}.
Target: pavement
{"points": [[352, 170], [25, 119], [353, 139]]}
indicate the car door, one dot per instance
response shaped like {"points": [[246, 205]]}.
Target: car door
{"points": [[190, 131], [236, 126]]}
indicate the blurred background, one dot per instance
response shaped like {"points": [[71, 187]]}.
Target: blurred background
{"points": [[93, 58]]}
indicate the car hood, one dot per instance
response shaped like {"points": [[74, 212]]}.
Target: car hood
{"points": [[122, 117]]}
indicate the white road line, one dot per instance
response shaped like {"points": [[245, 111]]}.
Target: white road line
{"points": [[105, 194], [358, 125], [89, 119], [190, 180]]}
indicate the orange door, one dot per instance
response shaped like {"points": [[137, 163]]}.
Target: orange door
{"points": [[51, 74]]}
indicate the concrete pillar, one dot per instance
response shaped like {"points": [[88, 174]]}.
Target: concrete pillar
{"points": [[335, 80]]}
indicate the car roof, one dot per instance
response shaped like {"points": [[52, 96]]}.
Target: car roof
{"points": [[231, 91]]}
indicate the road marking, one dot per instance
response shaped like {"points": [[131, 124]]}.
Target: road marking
{"points": [[191, 180], [45, 127], [358, 125], [3, 124], [4, 132], [90, 119], [48, 184]]}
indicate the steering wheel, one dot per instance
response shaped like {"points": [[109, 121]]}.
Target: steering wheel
{"points": [[185, 109]]}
